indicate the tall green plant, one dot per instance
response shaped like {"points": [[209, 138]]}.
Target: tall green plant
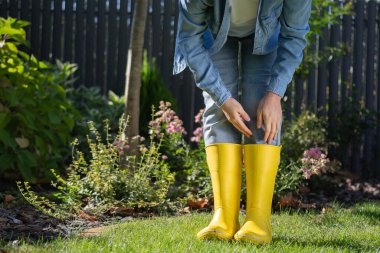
{"points": [[36, 118], [323, 14]]}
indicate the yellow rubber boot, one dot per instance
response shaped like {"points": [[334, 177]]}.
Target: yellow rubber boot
{"points": [[225, 165], [261, 164]]}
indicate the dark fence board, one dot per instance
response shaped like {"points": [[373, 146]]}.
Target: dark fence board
{"points": [[69, 31], [79, 41], [357, 77], [111, 51], [100, 47], [57, 29]]}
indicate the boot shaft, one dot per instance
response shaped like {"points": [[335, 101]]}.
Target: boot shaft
{"points": [[261, 164]]}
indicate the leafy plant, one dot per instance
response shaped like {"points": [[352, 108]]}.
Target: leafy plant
{"points": [[187, 162], [36, 118], [303, 137], [100, 184], [324, 13]]}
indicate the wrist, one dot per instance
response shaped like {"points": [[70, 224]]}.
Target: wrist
{"points": [[274, 95]]}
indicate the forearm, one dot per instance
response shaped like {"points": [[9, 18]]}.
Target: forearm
{"points": [[292, 41], [191, 27]]}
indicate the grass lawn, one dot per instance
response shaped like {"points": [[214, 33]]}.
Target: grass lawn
{"points": [[356, 229]]}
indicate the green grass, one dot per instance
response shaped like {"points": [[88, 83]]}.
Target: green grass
{"points": [[356, 229]]}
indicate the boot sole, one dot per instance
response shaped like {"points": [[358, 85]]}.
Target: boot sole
{"points": [[252, 239], [215, 234]]}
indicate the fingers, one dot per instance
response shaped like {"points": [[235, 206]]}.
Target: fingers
{"points": [[245, 115], [259, 118], [238, 123], [268, 128], [235, 114], [272, 134], [276, 131]]}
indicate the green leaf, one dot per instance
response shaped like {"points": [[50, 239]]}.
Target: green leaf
{"points": [[53, 117], [7, 139], [6, 162], [4, 119]]}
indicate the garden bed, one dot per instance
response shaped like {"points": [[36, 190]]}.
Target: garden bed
{"points": [[20, 221]]}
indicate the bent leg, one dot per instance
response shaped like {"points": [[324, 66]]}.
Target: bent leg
{"points": [[256, 73], [217, 129]]}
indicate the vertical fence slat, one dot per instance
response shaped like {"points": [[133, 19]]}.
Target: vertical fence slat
{"points": [[357, 77], [322, 77], [157, 30], [68, 41], [13, 9], [123, 46], [100, 47], [25, 15], [371, 10], [90, 33], [79, 41], [46, 30], [57, 29], [346, 79], [166, 45], [35, 39], [311, 82], [346, 59], [333, 88], [111, 51], [147, 32], [4, 9], [377, 147]]}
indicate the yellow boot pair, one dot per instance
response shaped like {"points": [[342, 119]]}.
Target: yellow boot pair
{"points": [[261, 164]]}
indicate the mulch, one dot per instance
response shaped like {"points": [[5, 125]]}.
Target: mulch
{"points": [[19, 220]]}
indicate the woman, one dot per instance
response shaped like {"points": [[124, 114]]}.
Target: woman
{"points": [[243, 54]]}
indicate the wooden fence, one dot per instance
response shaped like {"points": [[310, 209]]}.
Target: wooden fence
{"points": [[95, 35]]}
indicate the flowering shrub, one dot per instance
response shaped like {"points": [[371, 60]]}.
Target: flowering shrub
{"points": [[314, 162], [100, 184], [304, 152], [186, 162], [166, 119]]}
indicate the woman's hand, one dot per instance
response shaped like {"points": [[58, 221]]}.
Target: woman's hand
{"points": [[235, 114], [270, 111]]}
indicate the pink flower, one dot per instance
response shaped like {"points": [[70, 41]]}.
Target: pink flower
{"points": [[314, 153], [198, 117], [198, 134], [306, 173], [164, 157]]}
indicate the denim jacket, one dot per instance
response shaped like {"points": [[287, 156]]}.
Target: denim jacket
{"points": [[202, 30]]}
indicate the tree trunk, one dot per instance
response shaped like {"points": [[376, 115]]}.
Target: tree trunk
{"points": [[133, 70]]}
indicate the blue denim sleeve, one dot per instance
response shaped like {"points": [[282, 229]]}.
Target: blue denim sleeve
{"points": [[191, 26], [292, 40]]}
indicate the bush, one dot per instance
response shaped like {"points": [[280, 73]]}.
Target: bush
{"points": [[36, 118], [100, 184], [188, 164], [304, 152]]}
